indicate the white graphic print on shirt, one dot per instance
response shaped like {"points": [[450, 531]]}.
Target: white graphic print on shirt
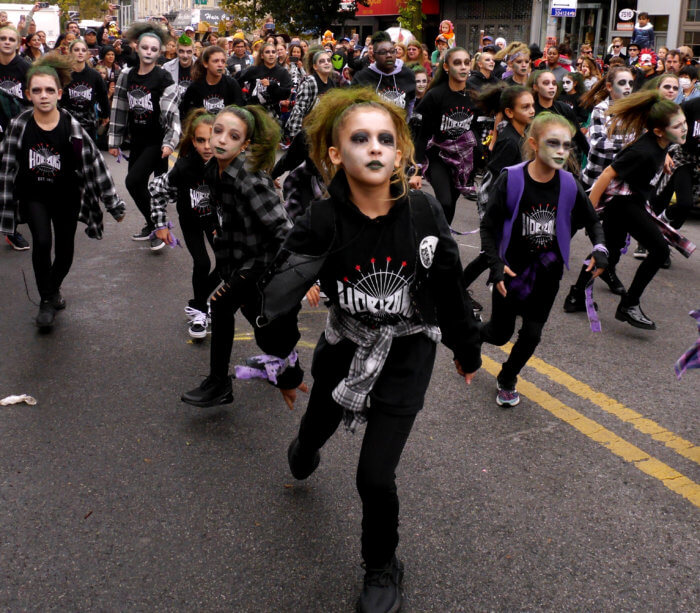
{"points": [[140, 103], [44, 162], [395, 96], [12, 87], [539, 227], [456, 121], [213, 103], [182, 86], [80, 94], [380, 293], [200, 199]]}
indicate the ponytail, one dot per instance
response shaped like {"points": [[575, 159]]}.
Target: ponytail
{"points": [[52, 65], [262, 131], [199, 70], [643, 110], [599, 91]]}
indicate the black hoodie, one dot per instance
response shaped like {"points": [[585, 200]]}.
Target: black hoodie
{"points": [[477, 80], [397, 87]]}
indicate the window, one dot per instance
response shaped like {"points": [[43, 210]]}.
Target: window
{"points": [[693, 13]]}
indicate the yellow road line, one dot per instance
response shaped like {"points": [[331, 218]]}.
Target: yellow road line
{"points": [[609, 405], [671, 478]]}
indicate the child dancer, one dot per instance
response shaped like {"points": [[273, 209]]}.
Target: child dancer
{"points": [[145, 105], [532, 212], [253, 225], [185, 185], [391, 271], [625, 187], [52, 168]]}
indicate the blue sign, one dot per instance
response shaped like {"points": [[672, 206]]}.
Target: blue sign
{"points": [[563, 12]]}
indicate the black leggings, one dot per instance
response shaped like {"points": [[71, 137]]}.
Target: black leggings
{"points": [[277, 338], [442, 182], [625, 215], [499, 329], [39, 217], [144, 161], [382, 446], [203, 279], [681, 182]]}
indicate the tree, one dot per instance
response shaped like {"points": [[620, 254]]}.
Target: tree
{"points": [[411, 17], [246, 15]]}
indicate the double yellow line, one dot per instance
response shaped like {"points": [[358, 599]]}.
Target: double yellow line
{"points": [[671, 478]]}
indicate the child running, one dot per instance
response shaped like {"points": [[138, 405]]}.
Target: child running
{"points": [[185, 185], [533, 210], [52, 174], [390, 268]]}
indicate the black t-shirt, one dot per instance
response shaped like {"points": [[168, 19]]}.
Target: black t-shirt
{"points": [[193, 193], [13, 78], [640, 165], [506, 151], [691, 108], [534, 228], [47, 163], [446, 115], [212, 97], [183, 79], [85, 89], [143, 95]]}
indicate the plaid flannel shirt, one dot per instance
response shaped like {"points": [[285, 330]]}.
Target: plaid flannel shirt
{"points": [[254, 222], [307, 95], [169, 113], [95, 180], [603, 147], [161, 194], [373, 346]]}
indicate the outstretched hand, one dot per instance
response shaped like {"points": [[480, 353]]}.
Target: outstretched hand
{"points": [[468, 376], [501, 285], [290, 395]]}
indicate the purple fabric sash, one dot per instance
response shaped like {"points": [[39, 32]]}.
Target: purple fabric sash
{"points": [[522, 285], [691, 358], [458, 154], [174, 242], [266, 367], [565, 206]]}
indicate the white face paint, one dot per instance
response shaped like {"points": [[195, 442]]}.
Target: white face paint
{"points": [[229, 137], [677, 129], [421, 82], [149, 49], [684, 82], [567, 85], [554, 146], [622, 85]]}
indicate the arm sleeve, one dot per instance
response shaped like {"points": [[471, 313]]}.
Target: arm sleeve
{"points": [[119, 112], [235, 92], [460, 331], [101, 96], [284, 89], [426, 109], [163, 190], [505, 153], [492, 226], [266, 205], [306, 94], [170, 114], [584, 216]]}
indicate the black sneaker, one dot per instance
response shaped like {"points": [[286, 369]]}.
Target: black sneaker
{"points": [[143, 235], [666, 263], [58, 301], [211, 392], [610, 278], [634, 316], [17, 241], [575, 301], [477, 307], [47, 315], [300, 465], [640, 252], [381, 592], [156, 244]]}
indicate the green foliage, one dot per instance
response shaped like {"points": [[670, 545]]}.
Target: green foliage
{"points": [[411, 17], [247, 15]]}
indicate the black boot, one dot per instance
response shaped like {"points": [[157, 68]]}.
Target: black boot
{"points": [[301, 465], [633, 315], [57, 301], [211, 392], [575, 301], [610, 278], [47, 314], [381, 592]]}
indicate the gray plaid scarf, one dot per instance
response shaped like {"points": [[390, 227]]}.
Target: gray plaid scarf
{"points": [[373, 346]]}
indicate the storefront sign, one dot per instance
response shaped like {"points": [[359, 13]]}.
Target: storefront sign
{"points": [[564, 8]]}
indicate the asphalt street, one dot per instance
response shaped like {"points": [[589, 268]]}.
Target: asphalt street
{"points": [[116, 496]]}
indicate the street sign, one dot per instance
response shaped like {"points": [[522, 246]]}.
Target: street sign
{"points": [[563, 8]]}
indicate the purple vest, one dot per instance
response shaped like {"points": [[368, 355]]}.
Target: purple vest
{"points": [[565, 206]]}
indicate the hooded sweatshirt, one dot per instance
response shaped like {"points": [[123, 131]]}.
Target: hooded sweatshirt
{"points": [[397, 87], [477, 80]]}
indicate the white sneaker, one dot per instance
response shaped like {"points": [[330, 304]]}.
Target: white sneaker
{"points": [[197, 322]]}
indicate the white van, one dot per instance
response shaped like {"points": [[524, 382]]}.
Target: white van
{"points": [[46, 19]]}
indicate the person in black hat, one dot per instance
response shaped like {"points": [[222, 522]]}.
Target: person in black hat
{"points": [[93, 47]]}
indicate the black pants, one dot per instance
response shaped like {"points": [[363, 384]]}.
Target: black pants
{"points": [[204, 280], [472, 270], [681, 182], [442, 182], [64, 217], [625, 215], [386, 432], [499, 329], [277, 338], [143, 162]]}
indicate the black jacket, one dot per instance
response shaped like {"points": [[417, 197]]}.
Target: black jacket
{"points": [[477, 80]]}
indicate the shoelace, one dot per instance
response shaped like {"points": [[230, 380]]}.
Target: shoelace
{"points": [[196, 317]]}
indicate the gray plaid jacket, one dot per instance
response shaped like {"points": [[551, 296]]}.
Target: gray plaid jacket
{"points": [[169, 113], [307, 95], [96, 182]]}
